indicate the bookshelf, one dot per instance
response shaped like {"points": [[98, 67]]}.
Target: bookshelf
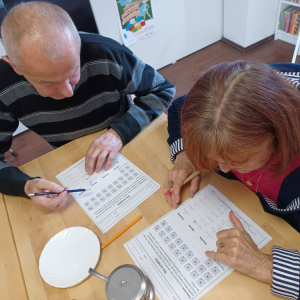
{"points": [[287, 37]]}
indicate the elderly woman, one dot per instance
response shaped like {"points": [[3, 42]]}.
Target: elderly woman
{"points": [[243, 120]]}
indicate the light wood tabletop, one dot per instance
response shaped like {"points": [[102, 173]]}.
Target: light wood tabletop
{"points": [[32, 229], [11, 275]]}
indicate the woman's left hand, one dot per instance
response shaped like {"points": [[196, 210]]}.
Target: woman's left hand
{"points": [[237, 249]]}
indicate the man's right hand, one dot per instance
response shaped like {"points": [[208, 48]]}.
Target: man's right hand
{"points": [[181, 171], [47, 203]]}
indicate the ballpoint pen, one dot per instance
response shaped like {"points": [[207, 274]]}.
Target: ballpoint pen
{"points": [[53, 193]]}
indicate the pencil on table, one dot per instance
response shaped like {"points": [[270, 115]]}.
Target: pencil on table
{"points": [[121, 232], [187, 180], [13, 152]]}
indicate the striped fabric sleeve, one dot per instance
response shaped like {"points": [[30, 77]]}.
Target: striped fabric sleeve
{"points": [[175, 140], [176, 147], [290, 71], [286, 273], [8, 124], [294, 206], [153, 94], [292, 77]]}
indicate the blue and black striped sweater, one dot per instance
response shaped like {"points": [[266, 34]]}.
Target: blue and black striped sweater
{"points": [[109, 72]]}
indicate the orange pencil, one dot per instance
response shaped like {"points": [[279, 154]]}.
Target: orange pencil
{"points": [[121, 232], [168, 192]]}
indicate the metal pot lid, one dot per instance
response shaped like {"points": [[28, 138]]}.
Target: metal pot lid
{"points": [[126, 282]]}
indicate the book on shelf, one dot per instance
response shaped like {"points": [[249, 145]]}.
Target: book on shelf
{"points": [[289, 20], [293, 21], [297, 23], [281, 18], [287, 17]]}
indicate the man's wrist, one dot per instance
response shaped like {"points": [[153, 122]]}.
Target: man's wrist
{"points": [[27, 185], [115, 133]]}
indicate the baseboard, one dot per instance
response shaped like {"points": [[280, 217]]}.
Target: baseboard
{"points": [[245, 49]]}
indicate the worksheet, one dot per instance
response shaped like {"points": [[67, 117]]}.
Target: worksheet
{"points": [[171, 252], [113, 193]]}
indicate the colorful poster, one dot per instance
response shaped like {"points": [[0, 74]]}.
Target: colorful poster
{"points": [[136, 20]]}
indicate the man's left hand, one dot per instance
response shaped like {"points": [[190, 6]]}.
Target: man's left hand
{"points": [[105, 146]]}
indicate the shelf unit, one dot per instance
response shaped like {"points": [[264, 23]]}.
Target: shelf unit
{"points": [[287, 37]]}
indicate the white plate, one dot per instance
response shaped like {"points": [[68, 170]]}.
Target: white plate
{"points": [[67, 257]]}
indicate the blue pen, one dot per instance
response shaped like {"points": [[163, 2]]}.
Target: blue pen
{"points": [[54, 193]]}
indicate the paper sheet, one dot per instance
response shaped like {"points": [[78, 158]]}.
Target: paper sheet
{"points": [[114, 193], [172, 250]]}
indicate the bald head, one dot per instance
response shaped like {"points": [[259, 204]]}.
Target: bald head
{"points": [[39, 27]]}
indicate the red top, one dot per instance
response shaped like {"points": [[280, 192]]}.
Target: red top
{"points": [[266, 185]]}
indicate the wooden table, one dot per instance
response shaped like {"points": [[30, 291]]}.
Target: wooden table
{"points": [[31, 229], [11, 276]]}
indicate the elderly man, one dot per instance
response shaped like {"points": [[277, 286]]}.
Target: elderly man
{"points": [[62, 85]]}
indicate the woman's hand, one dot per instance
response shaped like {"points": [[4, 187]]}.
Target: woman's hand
{"points": [[46, 203], [237, 249], [182, 170]]}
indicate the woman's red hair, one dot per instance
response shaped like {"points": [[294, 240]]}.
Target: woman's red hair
{"points": [[234, 110]]}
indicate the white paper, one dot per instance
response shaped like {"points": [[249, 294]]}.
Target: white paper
{"points": [[114, 193], [171, 252]]}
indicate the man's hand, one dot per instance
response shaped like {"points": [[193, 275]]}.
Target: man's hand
{"points": [[240, 252], [181, 171], [47, 203], [105, 146]]}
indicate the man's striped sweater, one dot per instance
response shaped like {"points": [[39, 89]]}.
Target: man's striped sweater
{"points": [[109, 71]]}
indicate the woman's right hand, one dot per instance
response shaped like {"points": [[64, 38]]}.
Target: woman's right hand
{"points": [[181, 171]]}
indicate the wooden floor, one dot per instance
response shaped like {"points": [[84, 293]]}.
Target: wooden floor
{"points": [[183, 74]]}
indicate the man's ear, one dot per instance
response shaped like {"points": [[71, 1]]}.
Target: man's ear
{"points": [[6, 58]]}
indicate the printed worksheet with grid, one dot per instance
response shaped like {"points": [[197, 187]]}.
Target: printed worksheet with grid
{"points": [[172, 250], [113, 193]]}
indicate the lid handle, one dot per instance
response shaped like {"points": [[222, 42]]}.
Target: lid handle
{"points": [[96, 274]]}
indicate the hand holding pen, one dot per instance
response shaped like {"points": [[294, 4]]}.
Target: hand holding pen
{"points": [[183, 172], [50, 202], [172, 194], [171, 182]]}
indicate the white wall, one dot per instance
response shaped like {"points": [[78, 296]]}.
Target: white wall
{"points": [[2, 51], [235, 25], [183, 28], [262, 20], [249, 21]]}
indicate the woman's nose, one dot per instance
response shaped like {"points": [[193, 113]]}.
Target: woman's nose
{"points": [[224, 167]]}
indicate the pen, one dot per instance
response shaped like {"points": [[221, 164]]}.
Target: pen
{"points": [[168, 192], [53, 193], [121, 232]]}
